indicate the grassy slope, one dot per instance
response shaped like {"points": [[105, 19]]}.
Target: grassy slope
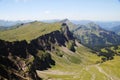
{"points": [[74, 66], [29, 31], [81, 66], [112, 67]]}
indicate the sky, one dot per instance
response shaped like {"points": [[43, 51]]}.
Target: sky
{"points": [[99, 10]]}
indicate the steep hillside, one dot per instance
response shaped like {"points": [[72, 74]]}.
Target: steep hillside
{"points": [[95, 37], [29, 31]]}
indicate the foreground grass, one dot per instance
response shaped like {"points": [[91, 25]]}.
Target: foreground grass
{"points": [[112, 67]]}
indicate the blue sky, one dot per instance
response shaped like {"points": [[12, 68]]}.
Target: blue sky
{"points": [[100, 10]]}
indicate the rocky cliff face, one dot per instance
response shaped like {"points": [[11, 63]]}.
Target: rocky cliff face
{"points": [[19, 60]]}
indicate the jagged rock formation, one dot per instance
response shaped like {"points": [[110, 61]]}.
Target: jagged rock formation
{"points": [[69, 24], [66, 32], [19, 60]]}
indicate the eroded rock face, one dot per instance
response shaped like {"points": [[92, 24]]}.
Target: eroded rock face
{"points": [[48, 41], [19, 60], [65, 30]]}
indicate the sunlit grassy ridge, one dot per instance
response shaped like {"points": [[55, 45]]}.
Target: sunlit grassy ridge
{"points": [[29, 31]]}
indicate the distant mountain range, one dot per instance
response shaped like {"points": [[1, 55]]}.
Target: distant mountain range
{"points": [[5, 23], [108, 25], [104, 24]]}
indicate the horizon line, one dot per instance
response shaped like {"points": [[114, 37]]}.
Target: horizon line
{"points": [[58, 19]]}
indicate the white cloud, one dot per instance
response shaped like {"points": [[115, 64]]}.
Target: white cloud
{"points": [[47, 12]]}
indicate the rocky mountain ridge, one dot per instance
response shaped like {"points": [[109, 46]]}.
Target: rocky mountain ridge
{"points": [[20, 60]]}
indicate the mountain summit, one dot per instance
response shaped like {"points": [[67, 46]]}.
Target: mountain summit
{"points": [[69, 23]]}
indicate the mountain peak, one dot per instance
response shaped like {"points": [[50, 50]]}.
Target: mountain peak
{"points": [[65, 30], [68, 23], [93, 25], [65, 21]]}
